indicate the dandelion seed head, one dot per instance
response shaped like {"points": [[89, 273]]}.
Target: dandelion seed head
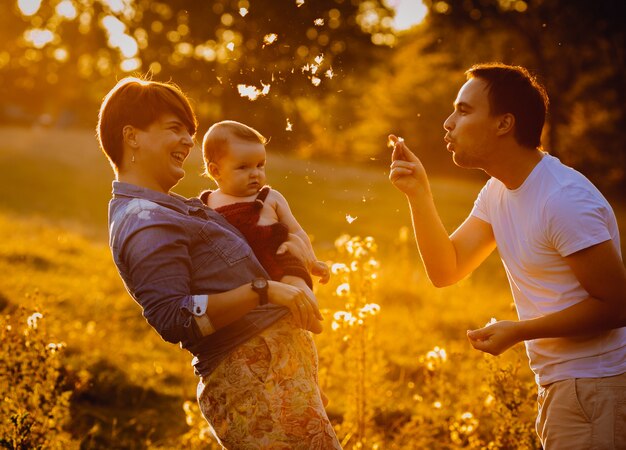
{"points": [[289, 126], [437, 405], [319, 22], [329, 73], [350, 219], [243, 12], [32, 320], [371, 309], [343, 289], [230, 46], [338, 268], [315, 81]]}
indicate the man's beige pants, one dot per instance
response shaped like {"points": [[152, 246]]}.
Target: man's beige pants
{"points": [[583, 413]]}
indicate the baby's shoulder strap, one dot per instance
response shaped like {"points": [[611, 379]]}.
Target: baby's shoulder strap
{"points": [[262, 195]]}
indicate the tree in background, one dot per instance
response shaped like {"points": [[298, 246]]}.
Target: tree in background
{"points": [[577, 49], [59, 58]]}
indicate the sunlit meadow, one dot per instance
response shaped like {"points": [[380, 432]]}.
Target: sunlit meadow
{"points": [[81, 368]]}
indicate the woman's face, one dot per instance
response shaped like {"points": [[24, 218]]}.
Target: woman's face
{"points": [[161, 151]]}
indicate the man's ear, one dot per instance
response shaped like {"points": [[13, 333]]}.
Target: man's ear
{"points": [[506, 123], [129, 133], [214, 170]]}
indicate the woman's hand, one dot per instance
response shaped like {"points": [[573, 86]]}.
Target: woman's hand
{"points": [[298, 248], [303, 307]]}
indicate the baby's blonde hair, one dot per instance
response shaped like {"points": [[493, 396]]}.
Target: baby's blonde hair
{"points": [[216, 139]]}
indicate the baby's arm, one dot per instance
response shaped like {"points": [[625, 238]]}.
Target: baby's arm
{"points": [[285, 216]]}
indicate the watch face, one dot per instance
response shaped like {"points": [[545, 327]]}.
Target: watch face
{"points": [[259, 283]]}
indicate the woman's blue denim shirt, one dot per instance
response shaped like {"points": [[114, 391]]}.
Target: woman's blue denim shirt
{"points": [[171, 251]]}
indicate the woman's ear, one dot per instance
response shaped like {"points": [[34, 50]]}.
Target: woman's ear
{"points": [[505, 124], [130, 136], [214, 170]]}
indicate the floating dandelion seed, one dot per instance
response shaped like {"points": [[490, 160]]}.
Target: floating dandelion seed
{"points": [[491, 321], [306, 68], [315, 81], [299, 3], [252, 92], [319, 59], [269, 39], [350, 219], [289, 126], [319, 22], [329, 73], [243, 12], [230, 46]]}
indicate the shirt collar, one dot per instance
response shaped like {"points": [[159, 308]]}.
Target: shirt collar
{"points": [[172, 200]]}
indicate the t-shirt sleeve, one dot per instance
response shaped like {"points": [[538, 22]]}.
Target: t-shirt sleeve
{"points": [[576, 219], [480, 209]]}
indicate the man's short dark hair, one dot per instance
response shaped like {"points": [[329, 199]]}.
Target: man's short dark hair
{"points": [[512, 89]]}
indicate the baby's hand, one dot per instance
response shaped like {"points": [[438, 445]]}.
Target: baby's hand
{"points": [[321, 269]]}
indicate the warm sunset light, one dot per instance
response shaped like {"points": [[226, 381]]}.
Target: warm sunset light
{"points": [[131, 315], [66, 9], [39, 38], [408, 13], [28, 7]]}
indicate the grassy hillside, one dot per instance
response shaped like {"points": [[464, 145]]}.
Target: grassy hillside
{"points": [[403, 378]]}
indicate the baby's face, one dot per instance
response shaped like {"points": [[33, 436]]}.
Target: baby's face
{"points": [[241, 171]]}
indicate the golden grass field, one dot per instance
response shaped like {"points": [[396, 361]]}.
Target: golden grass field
{"points": [[404, 377]]}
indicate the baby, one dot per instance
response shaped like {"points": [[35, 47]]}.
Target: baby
{"points": [[234, 156]]}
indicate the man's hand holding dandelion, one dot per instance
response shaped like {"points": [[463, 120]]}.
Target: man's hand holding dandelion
{"points": [[407, 172]]}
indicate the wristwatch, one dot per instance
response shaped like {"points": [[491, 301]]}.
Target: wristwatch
{"points": [[260, 286]]}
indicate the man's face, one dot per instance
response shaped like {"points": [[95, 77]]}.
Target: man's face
{"points": [[471, 127]]}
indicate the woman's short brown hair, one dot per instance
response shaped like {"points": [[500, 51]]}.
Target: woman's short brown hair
{"points": [[137, 102]]}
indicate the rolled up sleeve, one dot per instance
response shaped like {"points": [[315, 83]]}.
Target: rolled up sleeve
{"points": [[159, 275]]}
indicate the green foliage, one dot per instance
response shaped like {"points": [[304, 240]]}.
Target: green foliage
{"points": [[35, 404]]}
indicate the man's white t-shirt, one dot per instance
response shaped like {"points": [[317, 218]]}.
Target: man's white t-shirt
{"points": [[554, 213]]}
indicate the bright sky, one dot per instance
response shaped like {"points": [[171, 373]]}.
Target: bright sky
{"points": [[408, 13]]}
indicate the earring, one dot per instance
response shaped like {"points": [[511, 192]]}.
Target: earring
{"points": [[133, 158]]}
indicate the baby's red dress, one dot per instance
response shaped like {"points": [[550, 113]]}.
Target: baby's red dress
{"points": [[263, 239]]}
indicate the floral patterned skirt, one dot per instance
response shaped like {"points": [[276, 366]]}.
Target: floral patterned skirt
{"points": [[265, 395]]}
